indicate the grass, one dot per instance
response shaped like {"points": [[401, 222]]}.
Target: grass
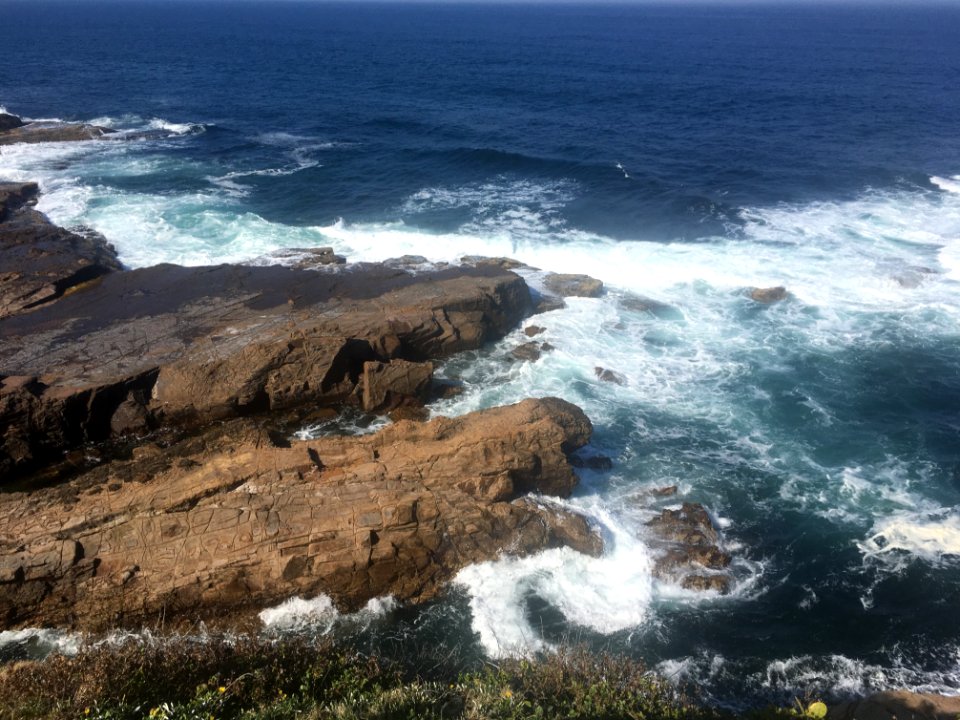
{"points": [[258, 679]]}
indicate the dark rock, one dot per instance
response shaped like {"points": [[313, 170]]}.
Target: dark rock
{"points": [[394, 383], [206, 344], [37, 132], [547, 347], [592, 462], [528, 352], [707, 583], [408, 262], [548, 303], [39, 261], [638, 303], [444, 389], [532, 330], [409, 412], [609, 376], [567, 285], [769, 295], [9, 122]]}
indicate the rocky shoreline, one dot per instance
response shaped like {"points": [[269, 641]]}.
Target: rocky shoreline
{"points": [[146, 466]]}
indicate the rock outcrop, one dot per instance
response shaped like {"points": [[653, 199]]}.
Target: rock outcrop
{"points": [[40, 261], [689, 552], [567, 285], [227, 522], [176, 346], [37, 132], [898, 705], [9, 122]]}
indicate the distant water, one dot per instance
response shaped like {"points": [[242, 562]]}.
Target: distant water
{"points": [[679, 153]]}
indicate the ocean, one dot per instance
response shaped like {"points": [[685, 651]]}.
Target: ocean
{"points": [[683, 153]]}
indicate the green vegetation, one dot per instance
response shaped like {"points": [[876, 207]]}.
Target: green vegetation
{"points": [[293, 678]]}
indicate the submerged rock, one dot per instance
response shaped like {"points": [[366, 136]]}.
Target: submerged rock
{"points": [[527, 352], [568, 285], [769, 295], [231, 521], [532, 330], [609, 376]]}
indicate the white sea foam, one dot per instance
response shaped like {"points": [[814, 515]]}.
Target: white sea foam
{"points": [[39, 642], [931, 536], [951, 184], [320, 614]]}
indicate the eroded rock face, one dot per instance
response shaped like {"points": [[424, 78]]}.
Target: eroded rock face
{"points": [[37, 132], [688, 549], [399, 382], [39, 261], [571, 285], [231, 521], [195, 345]]}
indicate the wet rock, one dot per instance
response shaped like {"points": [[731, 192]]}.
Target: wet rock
{"points": [[503, 263], [409, 412], [638, 303], [37, 132], [666, 491], [227, 522], [408, 262], [707, 583], [609, 376], [548, 303], [547, 347], [444, 389], [309, 258], [9, 122], [532, 330], [39, 261], [769, 295], [528, 352], [897, 705], [592, 462], [687, 544], [572, 285]]}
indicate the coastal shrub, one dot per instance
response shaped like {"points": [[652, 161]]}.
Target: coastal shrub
{"points": [[263, 679]]}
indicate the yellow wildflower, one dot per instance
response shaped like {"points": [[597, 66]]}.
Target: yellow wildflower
{"points": [[221, 689]]}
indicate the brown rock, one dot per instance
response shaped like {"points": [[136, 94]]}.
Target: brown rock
{"points": [[706, 583], [609, 376], [394, 383], [566, 285], [898, 705], [769, 295], [228, 522], [638, 303], [688, 542], [204, 344], [408, 412], [528, 352], [532, 330], [37, 132]]}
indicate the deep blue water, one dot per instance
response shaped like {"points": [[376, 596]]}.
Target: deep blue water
{"points": [[683, 152]]}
